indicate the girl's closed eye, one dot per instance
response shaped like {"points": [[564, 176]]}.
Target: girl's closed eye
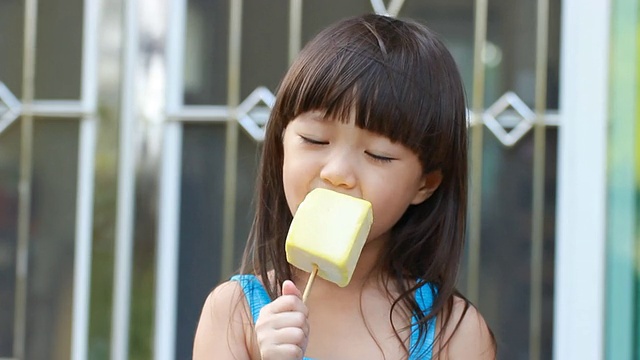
{"points": [[379, 158], [312, 141]]}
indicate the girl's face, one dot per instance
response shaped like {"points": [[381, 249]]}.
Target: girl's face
{"points": [[320, 153]]}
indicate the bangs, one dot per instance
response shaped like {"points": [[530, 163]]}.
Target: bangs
{"points": [[355, 70], [352, 85]]}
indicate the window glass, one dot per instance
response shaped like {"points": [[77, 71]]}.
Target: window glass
{"points": [[505, 295], [201, 219], [9, 177], [511, 49], [11, 41], [206, 51], [52, 239], [264, 44], [59, 49]]}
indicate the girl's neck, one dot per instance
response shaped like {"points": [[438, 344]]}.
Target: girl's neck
{"points": [[368, 266]]}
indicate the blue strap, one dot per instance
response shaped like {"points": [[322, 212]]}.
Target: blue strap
{"points": [[257, 297], [255, 293], [423, 349]]}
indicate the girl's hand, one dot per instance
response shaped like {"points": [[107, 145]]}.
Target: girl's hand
{"points": [[282, 329]]}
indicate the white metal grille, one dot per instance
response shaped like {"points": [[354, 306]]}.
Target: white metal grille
{"points": [[509, 119]]}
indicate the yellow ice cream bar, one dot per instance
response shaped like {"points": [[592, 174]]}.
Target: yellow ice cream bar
{"points": [[329, 230]]}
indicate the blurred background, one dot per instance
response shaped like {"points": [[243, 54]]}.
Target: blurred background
{"points": [[130, 132]]}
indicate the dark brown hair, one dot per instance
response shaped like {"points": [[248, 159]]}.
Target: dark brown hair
{"points": [[403, 83]]}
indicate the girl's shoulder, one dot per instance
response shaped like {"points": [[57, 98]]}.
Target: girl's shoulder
{"points": [[465, 335], [223, 324], [224, 302]]}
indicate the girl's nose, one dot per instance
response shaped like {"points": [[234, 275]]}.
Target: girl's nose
{"points": [[339, 171]]}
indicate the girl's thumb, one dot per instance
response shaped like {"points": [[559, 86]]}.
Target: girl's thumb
{"points": [[289, 288]]}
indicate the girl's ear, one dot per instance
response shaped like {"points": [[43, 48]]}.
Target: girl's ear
{"points": [[428, 185]]}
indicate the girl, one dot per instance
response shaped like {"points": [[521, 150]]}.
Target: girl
{"points": [[373, 107]]}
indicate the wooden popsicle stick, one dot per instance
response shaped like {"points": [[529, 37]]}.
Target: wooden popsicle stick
{"points": [[307, 289]]}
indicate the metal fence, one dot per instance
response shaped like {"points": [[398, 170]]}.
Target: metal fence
{"points": [[167, 119]]}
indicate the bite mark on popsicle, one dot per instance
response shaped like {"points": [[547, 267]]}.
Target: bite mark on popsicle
{"points": [[327, 234]]}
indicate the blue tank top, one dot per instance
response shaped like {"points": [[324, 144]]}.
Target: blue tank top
{"points": [[257, 297]]}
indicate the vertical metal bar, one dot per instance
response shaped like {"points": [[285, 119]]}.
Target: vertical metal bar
{"points": [[126, 189], [84, 224], [168, 249], [231, 153], [475, 224], [579, 286], [25, 182], [166, 293], [85, 191], [295, 28], [537, 221]]}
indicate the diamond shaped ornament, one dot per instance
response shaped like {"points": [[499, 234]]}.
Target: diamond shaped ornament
{"points": [[10, 107], [254, 111], [525, 123], [392, 10]]}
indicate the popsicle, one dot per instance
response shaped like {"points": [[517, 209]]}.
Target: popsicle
{"points": [[327, 234]]}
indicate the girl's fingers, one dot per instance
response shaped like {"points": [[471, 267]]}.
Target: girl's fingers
{"points": [[287, 303], [289, 288], [290, 335], [283, 352], [282, 328], [288, 319], [286, 343]]}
